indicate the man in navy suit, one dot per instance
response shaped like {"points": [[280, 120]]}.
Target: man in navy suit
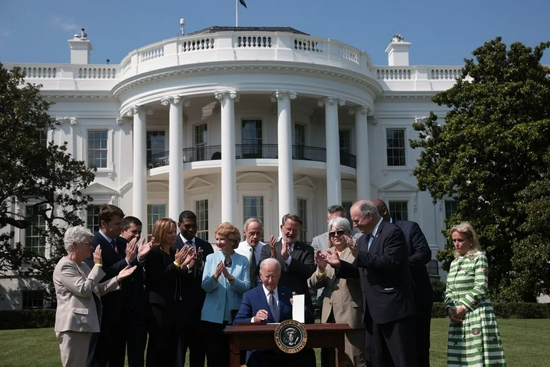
{"points": [[296, 258], [192, 292], [389, 304], [419, 255], [136, 329], [108, 347], [271, 303]]}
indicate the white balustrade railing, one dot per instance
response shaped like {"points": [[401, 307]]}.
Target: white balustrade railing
{"points": [[349, 54], [253, 41], [151, 53], [97, 73], [445, 73], [394, 73], [230, 46], [40, 72], [197, 44], [308, 44]]}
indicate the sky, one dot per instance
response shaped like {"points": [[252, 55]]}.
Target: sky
{"points": [[442, 32]]}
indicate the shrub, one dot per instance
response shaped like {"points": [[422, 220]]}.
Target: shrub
{"points": [[27, 319]]}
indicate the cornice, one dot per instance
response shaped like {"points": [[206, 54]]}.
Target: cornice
{"points": [[249, 67], [78, 95]]}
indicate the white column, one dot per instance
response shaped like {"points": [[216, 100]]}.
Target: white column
{"points": [[362, 171], [334, 184], [139, 192], [284, 151], [175, 183], [228, 163]]}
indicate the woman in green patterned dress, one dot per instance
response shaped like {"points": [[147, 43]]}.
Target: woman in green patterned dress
{"points": [[474, 339]]}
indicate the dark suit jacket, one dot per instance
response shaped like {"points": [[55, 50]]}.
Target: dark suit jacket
{"points": [[255, 300], [419, 255], [163, 279], [114, 303], [384, 273], [192, 292], [300, 270]]}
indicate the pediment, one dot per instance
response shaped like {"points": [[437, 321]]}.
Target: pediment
{"points": [[98, 189], [198, 183], [255, 178], [305, 182], [399, 186]]}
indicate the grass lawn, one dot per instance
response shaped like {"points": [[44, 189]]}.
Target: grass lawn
{"points": [[525, 344]]}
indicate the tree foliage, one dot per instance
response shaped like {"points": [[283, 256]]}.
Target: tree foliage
{"points": [[491, 156], [34, 174]]}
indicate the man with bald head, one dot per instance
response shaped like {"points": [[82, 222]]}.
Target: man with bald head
{"points": [[389, 303], [419, 254]]}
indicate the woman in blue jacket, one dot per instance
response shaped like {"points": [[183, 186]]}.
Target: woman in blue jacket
{"points": [[225, 278]]}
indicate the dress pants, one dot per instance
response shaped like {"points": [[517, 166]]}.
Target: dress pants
{"points": [[216, 343], [190, 337], [73, 346], [392, 344]]}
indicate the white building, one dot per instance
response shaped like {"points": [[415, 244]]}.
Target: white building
{"points": [[238, 122]]}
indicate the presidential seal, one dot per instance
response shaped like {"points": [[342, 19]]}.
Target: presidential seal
{"points": [[290, 336]]}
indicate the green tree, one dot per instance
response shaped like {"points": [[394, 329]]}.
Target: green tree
{"points": [[490, 156], [38, 174]]}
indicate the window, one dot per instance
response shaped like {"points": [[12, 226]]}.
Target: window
{"points": [[347, 205], [92, 218], [156, 144], [398, 210], [154, 213], [253, 206], [32, 299], [451, 207], [34, 242], [97, 148], [201, 209], [299, 141], [345, 141], [201, 141], [302, 213], [395, 142], [252, 138], [42, 136]]}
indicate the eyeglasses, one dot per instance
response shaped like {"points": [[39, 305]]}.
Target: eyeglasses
{"points": [[339, 232]]}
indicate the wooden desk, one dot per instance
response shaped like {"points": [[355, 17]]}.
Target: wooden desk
{"points": [[249, 337]]}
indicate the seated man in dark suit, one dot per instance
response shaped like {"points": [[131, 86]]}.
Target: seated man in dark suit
{"points": [[270, 303]]}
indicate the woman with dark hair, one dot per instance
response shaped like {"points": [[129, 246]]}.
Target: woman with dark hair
{"points": [[474, 339], [225, 278], [164, 267]]}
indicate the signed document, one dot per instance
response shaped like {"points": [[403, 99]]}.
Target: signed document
{"points": [[298, 305]]}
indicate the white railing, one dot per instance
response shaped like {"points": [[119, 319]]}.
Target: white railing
{"points": [[197, 44], [445, 73], [304, 43], [226, 47], [253, 41], [151, 53], [40, 72], [97, 73], [394, 73]]}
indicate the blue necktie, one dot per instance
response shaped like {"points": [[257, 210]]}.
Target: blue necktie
{"points": [[273, 306], [371, 238]]}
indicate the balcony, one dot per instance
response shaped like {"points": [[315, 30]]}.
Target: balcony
{"points": [[250, 151]]}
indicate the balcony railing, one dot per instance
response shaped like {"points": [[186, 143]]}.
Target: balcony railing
{"points": [[250, 151]]}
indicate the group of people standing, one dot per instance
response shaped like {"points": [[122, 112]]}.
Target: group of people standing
{"points": [[113, 290]]}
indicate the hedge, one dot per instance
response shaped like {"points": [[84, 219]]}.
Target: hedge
{"points": [[27, 319], [519, 310]]}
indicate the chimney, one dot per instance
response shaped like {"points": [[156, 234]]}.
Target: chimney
{"points": [[80, 48], [398, 51]]}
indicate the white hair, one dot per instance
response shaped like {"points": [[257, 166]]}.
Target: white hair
{"points": [[75, 235]]}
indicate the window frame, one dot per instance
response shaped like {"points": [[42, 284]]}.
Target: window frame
{"points": [[403, 149]]}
